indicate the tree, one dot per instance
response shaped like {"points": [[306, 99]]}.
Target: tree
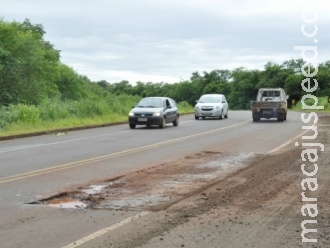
{"points": [[123, 87], [293, 66], [323, 78], [27, 63], [293, 88], [185, 91], [273, 76], [244, 88]]}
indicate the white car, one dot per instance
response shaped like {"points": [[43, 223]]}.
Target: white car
{"points": [[211, 105]]}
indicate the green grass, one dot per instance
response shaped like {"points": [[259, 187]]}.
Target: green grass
{"points": [[185, 107], [53, 116], [60, 124], [322, 101]]}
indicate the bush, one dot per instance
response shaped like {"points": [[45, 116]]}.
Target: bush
{"points": [[185, 107], [54, 113], [322, 101]]}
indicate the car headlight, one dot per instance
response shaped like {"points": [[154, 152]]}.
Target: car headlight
{"points": [[131, 114], [156, 114]]}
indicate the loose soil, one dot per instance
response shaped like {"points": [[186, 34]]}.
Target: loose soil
{"points": [[212, 199]]}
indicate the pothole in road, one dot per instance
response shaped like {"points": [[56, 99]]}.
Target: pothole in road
{"points": [[153, 188], [66, 203]]}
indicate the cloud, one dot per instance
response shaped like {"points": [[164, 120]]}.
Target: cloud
{"points": [[166, 41]]}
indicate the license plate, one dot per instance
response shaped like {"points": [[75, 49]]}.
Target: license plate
{"points": [[266, 112], [142, 119]]}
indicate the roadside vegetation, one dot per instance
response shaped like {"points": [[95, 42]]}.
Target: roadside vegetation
{"points": [[52, 115], [322, 101], [38, 93]]}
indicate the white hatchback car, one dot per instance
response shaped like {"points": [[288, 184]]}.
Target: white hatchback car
{"points": [[211, 105]]}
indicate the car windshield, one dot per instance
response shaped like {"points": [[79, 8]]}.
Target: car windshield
{"points": [[210, 99], [150, 103]]}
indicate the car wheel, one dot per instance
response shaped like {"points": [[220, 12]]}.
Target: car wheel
{"points": [[176, 121], [163, 124], [132, 126], [226, 115], [221, 115], [196, 117]]}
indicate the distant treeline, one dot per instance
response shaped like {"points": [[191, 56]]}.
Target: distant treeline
{"points": [[31, 73]]}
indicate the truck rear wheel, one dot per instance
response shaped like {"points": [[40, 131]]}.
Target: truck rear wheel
{"points": [[281, 117], [255, 116]]}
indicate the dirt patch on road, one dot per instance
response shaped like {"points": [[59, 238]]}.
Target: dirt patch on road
{"points": [[213, 199], [258, 205], [154, 188]]}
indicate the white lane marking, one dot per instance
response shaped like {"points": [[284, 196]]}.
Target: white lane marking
{"points": [[104, 231], [58, 142], [288, 142], [112, 155], [26, 147]]}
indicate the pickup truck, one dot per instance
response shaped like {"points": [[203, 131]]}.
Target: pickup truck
{"points": [[270, 103]]}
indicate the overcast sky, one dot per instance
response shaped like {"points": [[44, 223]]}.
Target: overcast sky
{"points": [[166, 41]]}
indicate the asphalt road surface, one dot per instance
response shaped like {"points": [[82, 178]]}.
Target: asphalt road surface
{"points": [[148, 187]]}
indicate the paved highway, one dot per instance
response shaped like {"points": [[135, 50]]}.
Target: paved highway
{"points": [[39, 167]]}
